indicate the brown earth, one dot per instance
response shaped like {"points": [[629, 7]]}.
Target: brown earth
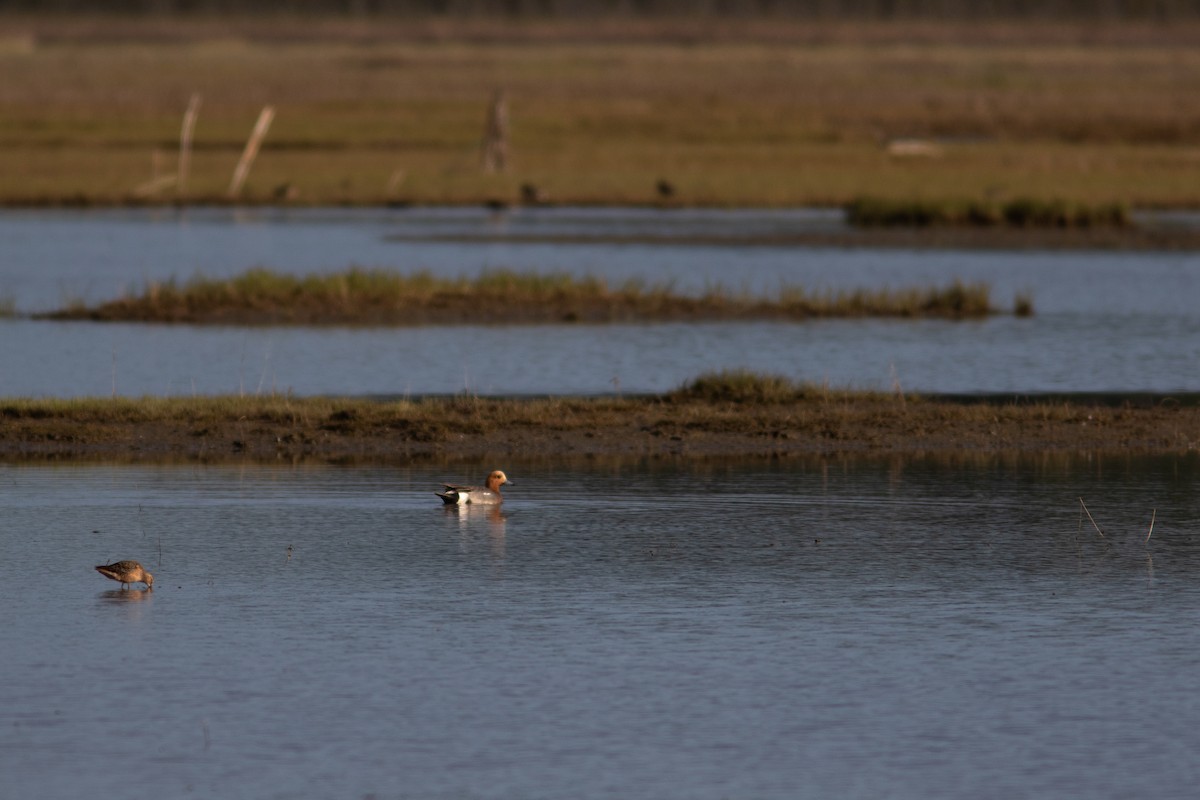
{"points": [[475, 428]]}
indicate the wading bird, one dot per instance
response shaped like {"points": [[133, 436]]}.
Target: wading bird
{"points": [[127, 572]]}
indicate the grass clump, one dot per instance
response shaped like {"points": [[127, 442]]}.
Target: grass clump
{"points": [[1017, 213], [740, 386], [354, 296], [749, 388], [1029, 213], [380, 297], [956, 301]]}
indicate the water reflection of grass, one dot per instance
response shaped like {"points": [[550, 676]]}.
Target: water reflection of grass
{"points": [[382, 297], [1019, 213]]}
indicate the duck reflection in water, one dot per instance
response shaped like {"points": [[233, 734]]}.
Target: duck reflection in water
{"points": [[470, 516]]}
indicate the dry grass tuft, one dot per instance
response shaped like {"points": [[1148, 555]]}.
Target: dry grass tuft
{"points": [[740, 386]]}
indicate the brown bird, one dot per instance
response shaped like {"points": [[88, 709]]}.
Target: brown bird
{"points": [[127, 572]]}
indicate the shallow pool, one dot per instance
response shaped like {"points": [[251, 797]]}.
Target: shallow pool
{"points": [[904, 628]]}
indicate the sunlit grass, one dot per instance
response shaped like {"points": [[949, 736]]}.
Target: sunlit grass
{"points": [[748, 119], [381, 297]]}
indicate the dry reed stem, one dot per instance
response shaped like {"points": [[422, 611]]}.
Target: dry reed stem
{"points": [[1089, 516], [186, 133], [1153, 514], [251, 152]]}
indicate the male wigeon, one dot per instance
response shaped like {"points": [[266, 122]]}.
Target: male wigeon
{"points": [[461, 495]]}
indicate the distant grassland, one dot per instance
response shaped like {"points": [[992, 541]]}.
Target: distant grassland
{"points": [[764, 114], [383, 297]]}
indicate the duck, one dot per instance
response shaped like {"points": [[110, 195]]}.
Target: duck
{"points": [[126, 572], [490, 493]]}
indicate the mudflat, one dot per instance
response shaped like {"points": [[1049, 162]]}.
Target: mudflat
{"points": [[326, 429]]}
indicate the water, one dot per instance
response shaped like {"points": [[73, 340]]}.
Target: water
{"points": [[1105, 321], [908, 628]]}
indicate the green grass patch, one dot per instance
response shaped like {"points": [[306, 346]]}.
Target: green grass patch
{"points": [[741, 386], [750, 388], [381, 297]]}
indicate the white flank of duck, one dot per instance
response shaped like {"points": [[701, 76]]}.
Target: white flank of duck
{"points": [[462, 495]]}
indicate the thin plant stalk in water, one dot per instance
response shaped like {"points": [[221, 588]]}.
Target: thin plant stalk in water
{"points": [[1089, 516]]}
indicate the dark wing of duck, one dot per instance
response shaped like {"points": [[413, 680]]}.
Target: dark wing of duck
{"points": [[450, 496]]}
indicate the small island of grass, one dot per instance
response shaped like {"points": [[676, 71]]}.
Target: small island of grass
{"points": [[382, 297]]}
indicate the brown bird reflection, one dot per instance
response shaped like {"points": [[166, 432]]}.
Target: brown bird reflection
{"points": [[126, 595]]}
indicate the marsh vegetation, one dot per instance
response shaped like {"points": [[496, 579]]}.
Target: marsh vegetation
{"points": [[383, 297], [767, 113]]}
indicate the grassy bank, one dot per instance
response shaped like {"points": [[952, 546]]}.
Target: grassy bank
{"points": [[771, 113], [381, 297], [724, 414]]}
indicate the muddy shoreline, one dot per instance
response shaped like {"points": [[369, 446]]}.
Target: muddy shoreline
{"points": [[482, 429], [1138, 236], [933, 237]]}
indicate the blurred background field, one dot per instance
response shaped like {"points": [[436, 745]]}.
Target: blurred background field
{"points": [[728, 106]]}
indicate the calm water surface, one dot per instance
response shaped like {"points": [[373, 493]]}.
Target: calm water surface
{"points": [[1106, 321], [861, 629]]}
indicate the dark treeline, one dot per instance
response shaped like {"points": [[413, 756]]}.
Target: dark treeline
{"points": [[1146, 10]]}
